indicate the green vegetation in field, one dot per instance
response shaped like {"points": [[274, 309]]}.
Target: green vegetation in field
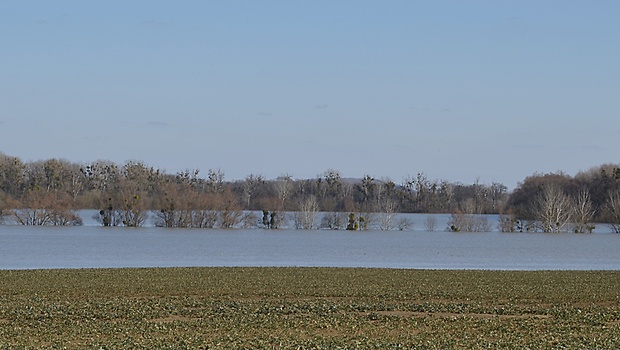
{"points": [[308, 308]]}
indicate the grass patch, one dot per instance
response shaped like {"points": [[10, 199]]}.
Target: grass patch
{"points": [[179, 308]]}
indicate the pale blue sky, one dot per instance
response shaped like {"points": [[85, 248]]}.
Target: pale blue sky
{"points": [[459, 90]]}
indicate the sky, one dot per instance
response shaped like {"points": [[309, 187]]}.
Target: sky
{"points": [[464, 91]]}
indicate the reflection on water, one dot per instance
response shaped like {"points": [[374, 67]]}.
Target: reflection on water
{"points": [[28, 247]]}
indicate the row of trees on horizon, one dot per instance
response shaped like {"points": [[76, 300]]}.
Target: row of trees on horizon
{"points": [[48, 192]]}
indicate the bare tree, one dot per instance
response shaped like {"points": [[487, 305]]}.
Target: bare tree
{"points": [[229, 212], [132, 212], [305, 218], [44, 208], [123, 208], [498, 196], [13, 175], [76, 183], [108, 215], [553, 209], [583, 212], [404, 223], [102, 176], [446, 195], [140, 177], [430, 224], [613, 211], [469, 206], [524, 201], [3, 207], [251, 185], [461, 222], [215, 180], [387, 209], [229, 217], [184, 207], [366, 220], [421, 186], [283, 187], [507, 223], [330, 191], [366, 189], [334, 220]]}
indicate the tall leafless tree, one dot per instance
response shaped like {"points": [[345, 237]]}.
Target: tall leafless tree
{"points": [[283, 186], [553, 209], [44, 208], [613, 211], [583, 212], [306, 216], [388, 209]]}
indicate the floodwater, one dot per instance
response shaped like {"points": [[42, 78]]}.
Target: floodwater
{"points": [[31, 247]]}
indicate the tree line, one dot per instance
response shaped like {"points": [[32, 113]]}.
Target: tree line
{"points": [[557, 202], [48, 192]]}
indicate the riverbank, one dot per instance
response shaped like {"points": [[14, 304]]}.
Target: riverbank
{"points": [[308, 308]]}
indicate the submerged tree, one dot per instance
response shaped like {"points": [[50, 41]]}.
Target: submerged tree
{"points": [[387, 209], [305, 218], [133, 213], [333, 220], [553, 209], [44, 208], [107, 216], [352, 225], [430, 223], [583, 213], [507, 223], [612, 209], [462, 222]]}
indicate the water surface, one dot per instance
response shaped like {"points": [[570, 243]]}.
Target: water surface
{"points": [[30, 247]]}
